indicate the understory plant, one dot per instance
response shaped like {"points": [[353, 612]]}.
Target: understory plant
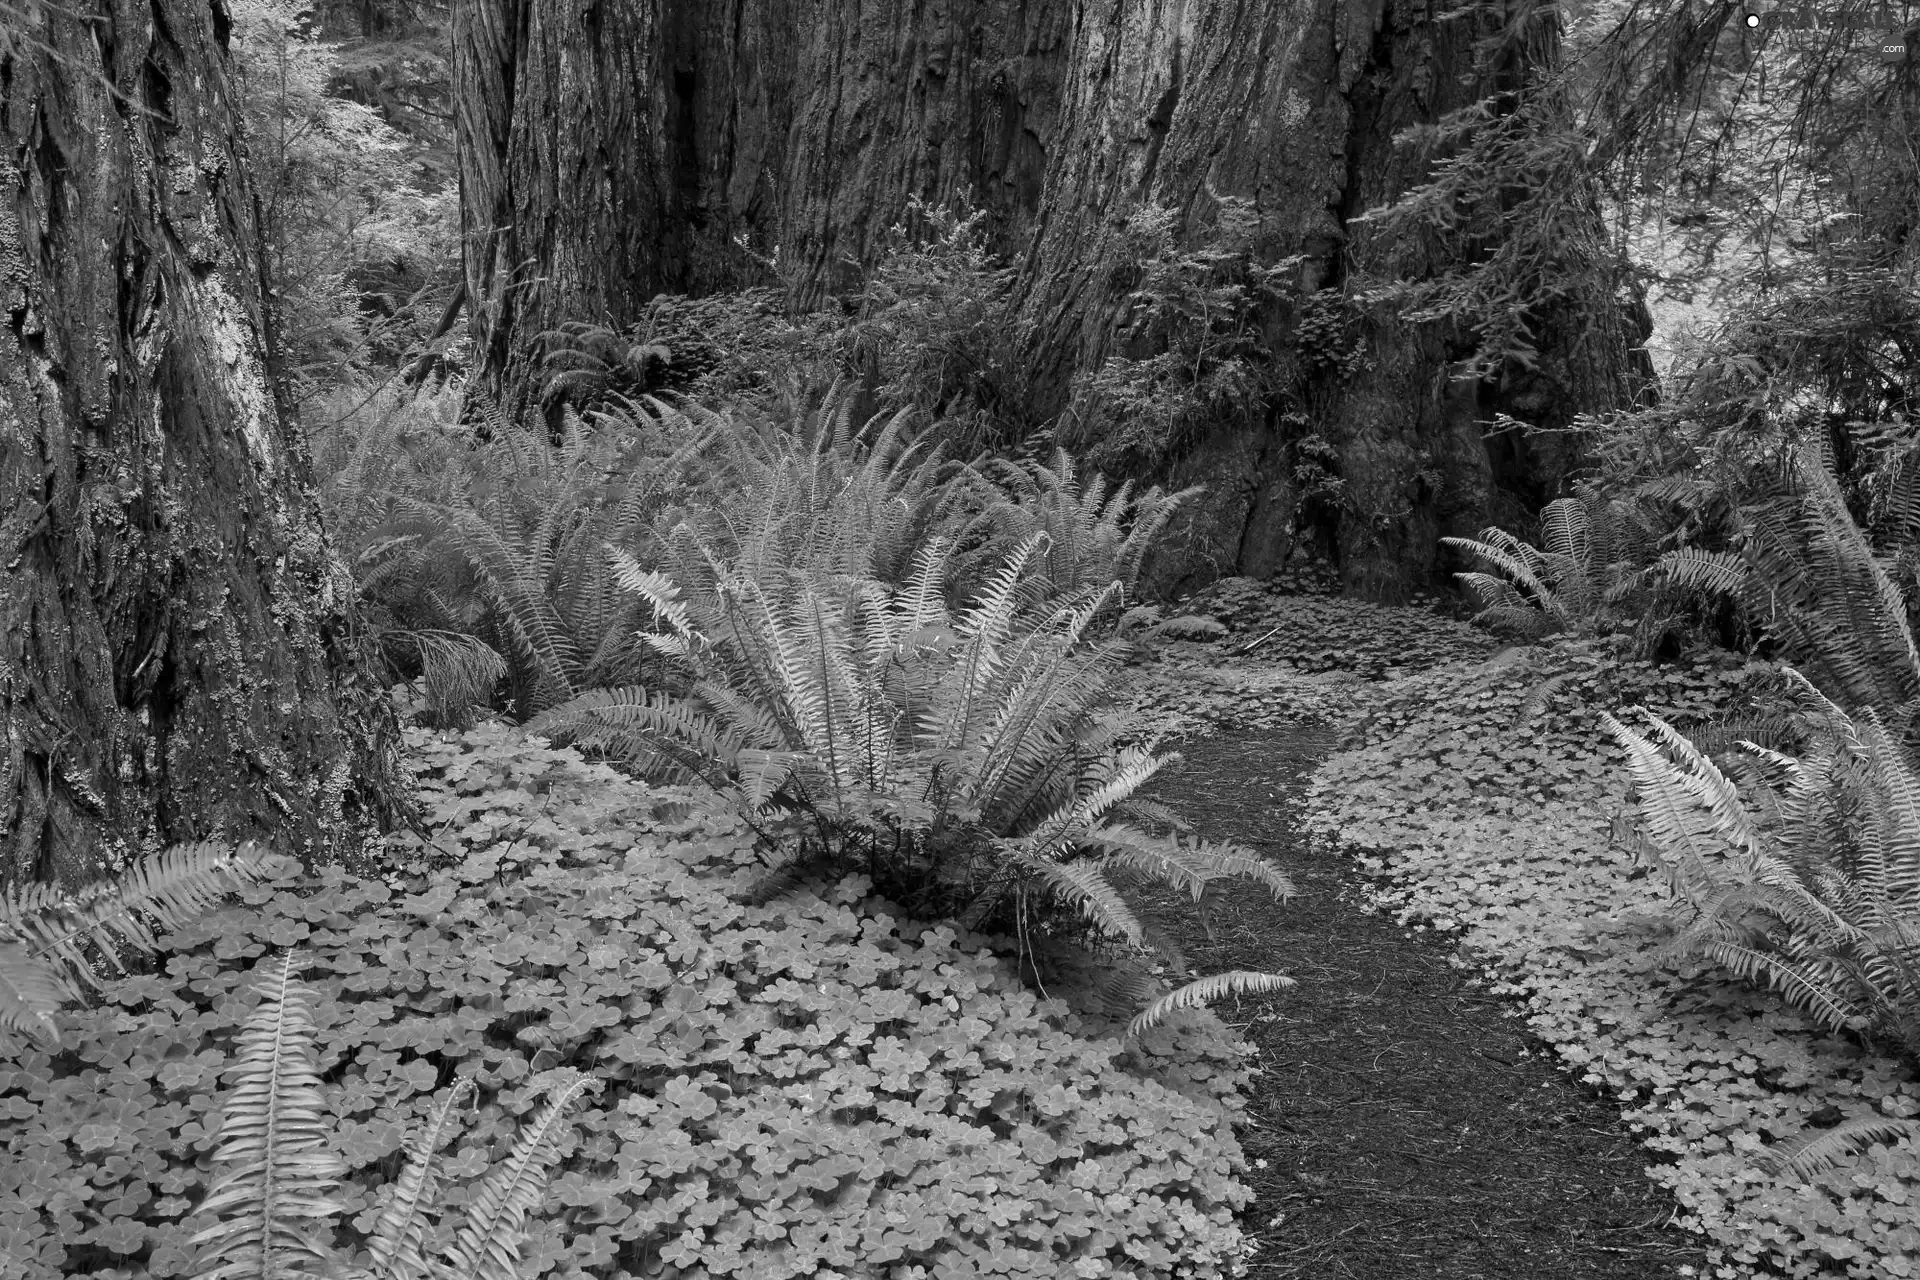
{"points": [[814, 490], [45, 932], [1806, 879], [481, 564], [276, 1171], [1093, 534], [1588, 566], [763, 1072], [1806, 574], [1193, 350], [937, 330], [277, 1174], [971, 762], [1805, 873]]}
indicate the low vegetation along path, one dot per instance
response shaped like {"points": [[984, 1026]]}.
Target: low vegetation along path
{"points": [[1403, 1125]]}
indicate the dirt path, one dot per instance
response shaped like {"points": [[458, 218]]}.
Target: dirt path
{"points": [[1408, 1127]]}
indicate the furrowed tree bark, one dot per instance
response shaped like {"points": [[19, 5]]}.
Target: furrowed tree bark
{"points": [[805, 130], [609, 150], [174, 653]]}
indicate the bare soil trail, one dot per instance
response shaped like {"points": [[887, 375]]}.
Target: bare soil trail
{"points": [[1404, 1124]]}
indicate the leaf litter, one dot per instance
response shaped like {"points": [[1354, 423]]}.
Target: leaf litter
{"points": [[1487, 1069]]}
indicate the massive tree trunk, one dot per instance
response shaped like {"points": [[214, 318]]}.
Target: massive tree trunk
{"points": [[173, 654], [607, 149], [1059, 117]]}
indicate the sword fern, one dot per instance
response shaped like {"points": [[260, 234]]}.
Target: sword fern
{"points": [[970, 760]]}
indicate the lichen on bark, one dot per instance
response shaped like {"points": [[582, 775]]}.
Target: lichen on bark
{"points": [[175, 661]]}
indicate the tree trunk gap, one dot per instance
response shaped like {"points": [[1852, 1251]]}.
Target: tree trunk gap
{"points": [[615, 150], [175, 657]]}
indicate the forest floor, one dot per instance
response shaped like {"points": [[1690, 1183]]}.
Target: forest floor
{"points": [[1490, 1067], [1403, 1124]]}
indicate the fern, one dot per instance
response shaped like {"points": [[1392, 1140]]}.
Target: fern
{"points": [[1206, 991], [276, 1171], [1822, 904], [488, 1242], [1589, 566], [277, 1177], [1093, 537], [504, 544], [1805, 573], [43, 930], [965, 757], [1816, 1153]]}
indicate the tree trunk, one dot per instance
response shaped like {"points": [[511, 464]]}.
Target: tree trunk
{"points": [[609, 150], [174, 662], [1059, 117]]}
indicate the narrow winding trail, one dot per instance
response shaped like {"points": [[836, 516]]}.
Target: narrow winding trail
{"points": [[1408, 1126]]}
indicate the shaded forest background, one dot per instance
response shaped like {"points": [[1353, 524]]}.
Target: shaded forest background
{"points": [[1366, 271]]}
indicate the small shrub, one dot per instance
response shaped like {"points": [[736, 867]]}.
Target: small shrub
{"points": [[936, 329]]}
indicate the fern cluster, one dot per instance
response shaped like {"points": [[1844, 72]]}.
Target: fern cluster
{"points": [[1805, 873], [1575, 582], [275, 1171], [1806, 574], [970, 761], [741, 348], [481, 565], [1808, 876]]}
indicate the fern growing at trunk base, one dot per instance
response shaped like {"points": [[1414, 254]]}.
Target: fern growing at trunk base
{"points": [[43, 931]]}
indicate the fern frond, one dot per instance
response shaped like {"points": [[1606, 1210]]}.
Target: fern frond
{"points": [[30, 990], [163, 891], [660, 592], [1720, 573], [487, 1246], [1151, 811], [1080, 885], [1520, 562], [1803, 990], [458, 670], [1814, 1154], [401, 1234], [1568, 530], [1205, 991], [276, 1170], [637, 721]]}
